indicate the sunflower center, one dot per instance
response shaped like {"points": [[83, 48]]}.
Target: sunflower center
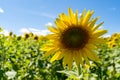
{"points": [[74, 38]]}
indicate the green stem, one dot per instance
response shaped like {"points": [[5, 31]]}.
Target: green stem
{"points": [[79, 70]]}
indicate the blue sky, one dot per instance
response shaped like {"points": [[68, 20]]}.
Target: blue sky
{"points": [[33, 15]]}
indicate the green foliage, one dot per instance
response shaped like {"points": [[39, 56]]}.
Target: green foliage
{"points": [[21, 59]]}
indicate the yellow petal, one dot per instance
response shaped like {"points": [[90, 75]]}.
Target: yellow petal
{"points": [[78, 58], [47, 47], [87, 17], [91, 46], [96, 27], [85, 57], [93, 22], [98, 41], [76, 15], [51, 51], [68, 60], [71, 14], [60, 24], [53, 29], [57, 56], [65, 59], [82, 16], [52, 36], [91, 54], [61, 55], [65, 18], [99, 33]]}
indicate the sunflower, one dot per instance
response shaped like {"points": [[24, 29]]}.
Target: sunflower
{"points": [[74, 39], [26, 36], [111, 44], [35, 37], [11, 33]]}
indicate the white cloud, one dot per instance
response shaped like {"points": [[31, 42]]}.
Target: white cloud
{"points": [[49, 24], [79, 14], [24, 30], [1, 10], [5, 32], [44, 32], [34, 31], [106, 35]]}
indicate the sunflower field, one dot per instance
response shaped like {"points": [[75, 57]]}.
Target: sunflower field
{"points": [[21, 59], [75, 51]]}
